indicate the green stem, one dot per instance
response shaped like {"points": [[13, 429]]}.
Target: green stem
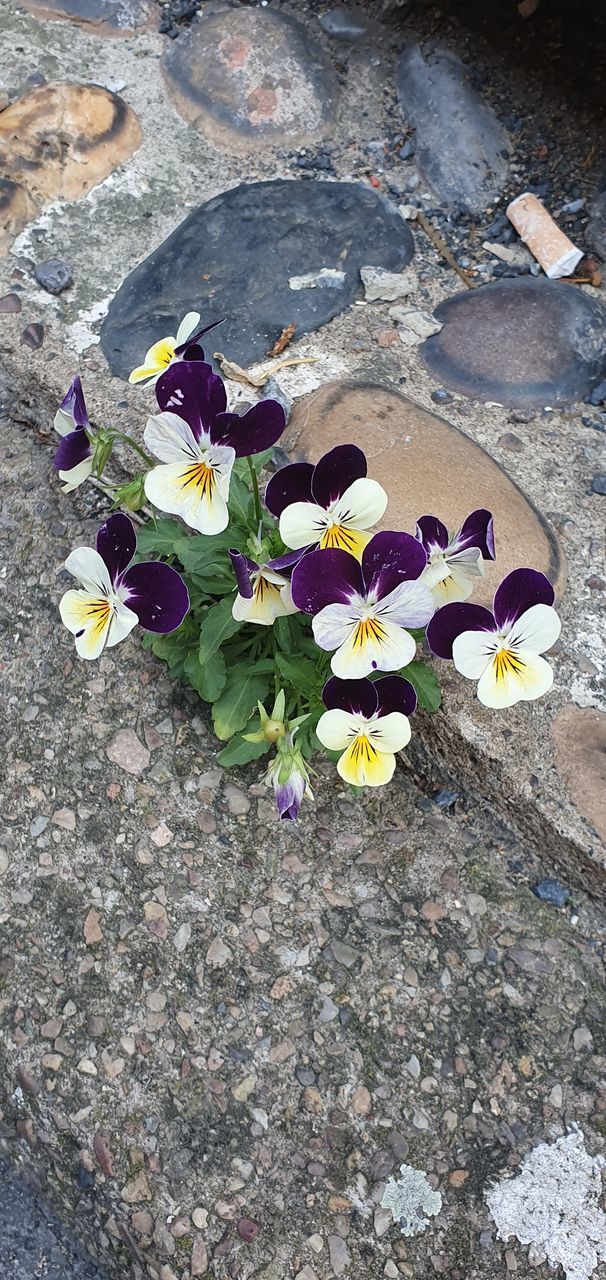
{"points": [[255, 489], [149, 462]]}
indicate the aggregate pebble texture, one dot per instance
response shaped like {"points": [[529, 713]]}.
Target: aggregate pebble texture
{"points": [[219, 1037]]}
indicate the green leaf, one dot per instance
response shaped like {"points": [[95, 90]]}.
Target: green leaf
{"points": [[207, 555], [300, 672], [234, 708], [159, 538], [208, 678], [217, 626], [240, 500], [425, 684], [259, 461], [240, 752]]}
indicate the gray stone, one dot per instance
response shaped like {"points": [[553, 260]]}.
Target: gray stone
{"points": [[461, 148], [596, 227], [386, 286], [54, 275], [598, 484], [344, 24], [302, 225], [525, 343]]}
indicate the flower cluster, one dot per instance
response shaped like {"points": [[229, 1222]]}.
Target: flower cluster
{"points": [[296, 598]]}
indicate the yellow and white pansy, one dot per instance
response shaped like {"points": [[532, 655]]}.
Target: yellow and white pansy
{"points": [[502, 650], [330, 505], [455, 562], [368, 723], [263, 590], [162, 353], [193, 481]]}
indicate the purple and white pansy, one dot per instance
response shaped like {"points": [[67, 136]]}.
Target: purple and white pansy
{"points": [[362, 610], [454, 562], [74, 457], [114, 597], [197, 442], [263, 591], [330, 505], [502, 649], [368, 722]]}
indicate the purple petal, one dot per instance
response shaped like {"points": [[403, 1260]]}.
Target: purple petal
{"points": [[449, 622], [243, 567], [290, 484], [289, 795], [116, 544], [334, 473], [395, 694], [287, 561], [517, 593], [432, 533], [191, 389], [74, 448], [325, 577], [477, 531], [391, 558], [359, 696], [74, 404], [185, 348], [254, 432], [157, 594]]}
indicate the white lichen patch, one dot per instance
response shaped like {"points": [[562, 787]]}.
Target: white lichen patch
{"points": [[411, 1200], [553, 1206]]}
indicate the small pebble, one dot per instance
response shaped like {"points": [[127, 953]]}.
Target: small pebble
{"points": [[598, 484], [10, 305], [552, 891], [54, 275], [33, 336]]}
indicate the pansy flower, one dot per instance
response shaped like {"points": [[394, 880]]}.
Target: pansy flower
{"points": [[289, 776], [501, 649], [114, 597], [454, 562], [263, 590], [74, 457], [368, 722], [197, 442], [162, 353], [329, 505], [362, 610]]}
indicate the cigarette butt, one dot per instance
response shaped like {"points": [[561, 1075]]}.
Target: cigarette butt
{"points": [[552, 249]]}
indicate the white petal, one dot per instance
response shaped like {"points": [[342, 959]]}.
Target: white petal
{"points": [[88, 617], [196, 492], [514, 676], [390, 732], [86, 565], [334, 624], [336, 729], [267, 603], [63, 422], [170, 439], [373, 645], [468, 562], [189, 324], [76, 475], [435, 571], [472, 652], [410, 604], [537, 629], [301, 524], [361, 505], [121, 625]]}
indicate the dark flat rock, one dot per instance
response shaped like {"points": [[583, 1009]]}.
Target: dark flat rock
{"points": [[525, 343], [251, 76], [32, 1242], [461, 148], [234, 256], [104, 17]]}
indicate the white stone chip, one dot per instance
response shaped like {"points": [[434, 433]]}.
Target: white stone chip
{"points": [[411, 1200], [553, 1206], [325, 278], [385, 286]]}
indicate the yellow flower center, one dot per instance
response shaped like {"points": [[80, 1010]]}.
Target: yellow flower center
{"points": [[200, 476], [367, 631], [507, 663]]}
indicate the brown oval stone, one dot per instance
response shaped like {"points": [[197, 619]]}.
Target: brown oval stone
{"points": [[579, 734], [104, 17], [251, 76], [62, 139], [427, 466]]}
